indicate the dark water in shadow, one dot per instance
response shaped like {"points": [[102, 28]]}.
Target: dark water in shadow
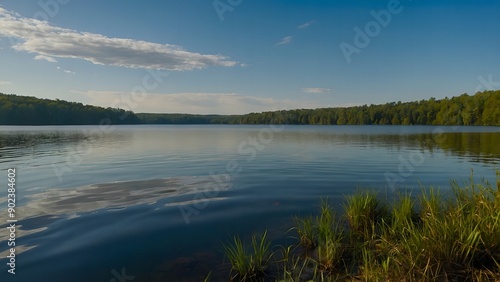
{"points": [[157, 202]]}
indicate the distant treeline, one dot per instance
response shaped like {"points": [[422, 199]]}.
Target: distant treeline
{"points": [[483, 108], [184, 119], [23, 110], [480, 109]]}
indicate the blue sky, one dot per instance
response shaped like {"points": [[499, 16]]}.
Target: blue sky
{"points": [[240, 56]]}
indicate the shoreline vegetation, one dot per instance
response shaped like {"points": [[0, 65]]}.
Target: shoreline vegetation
{"points": [[483, 108], [432, 236]]}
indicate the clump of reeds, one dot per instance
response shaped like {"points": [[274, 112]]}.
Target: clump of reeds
{"points": [[307, 232], [249, 263], [363, 211]]}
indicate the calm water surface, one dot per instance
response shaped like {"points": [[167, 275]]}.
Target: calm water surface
{"points": [[155, 203]]}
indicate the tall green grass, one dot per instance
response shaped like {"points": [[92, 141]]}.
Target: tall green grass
{"points": [[452, 236], [330, 237]]}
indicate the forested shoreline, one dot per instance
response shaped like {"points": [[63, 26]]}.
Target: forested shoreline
{"points": [[483, 108], [24, 110]]}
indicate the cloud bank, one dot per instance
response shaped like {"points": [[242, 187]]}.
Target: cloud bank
{"points": [[194, 103], [316, 90], [50, 42]]}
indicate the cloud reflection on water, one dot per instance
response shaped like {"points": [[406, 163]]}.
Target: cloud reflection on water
{"points": [[55, 204]]}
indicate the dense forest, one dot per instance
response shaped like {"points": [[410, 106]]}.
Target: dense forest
{"points": [[483, 108], [23, 110], [184, 119], [480, 109]]}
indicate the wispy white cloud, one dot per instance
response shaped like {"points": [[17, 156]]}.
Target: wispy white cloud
{"points": [[316, 90], [40, 38], [66, 71], [3, 82], [46, 58], [194, 103], [285, 40], [306, 25]]}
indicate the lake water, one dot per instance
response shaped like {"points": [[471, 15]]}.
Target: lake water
{"points": [[156, 203]]}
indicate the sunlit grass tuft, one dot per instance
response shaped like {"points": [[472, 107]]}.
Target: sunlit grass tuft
{"points": [[248, 264], [330, 238], [363, 211], [403, 216]]}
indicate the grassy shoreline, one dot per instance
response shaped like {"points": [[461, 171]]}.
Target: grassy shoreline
{"points": [[424, 237]]}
